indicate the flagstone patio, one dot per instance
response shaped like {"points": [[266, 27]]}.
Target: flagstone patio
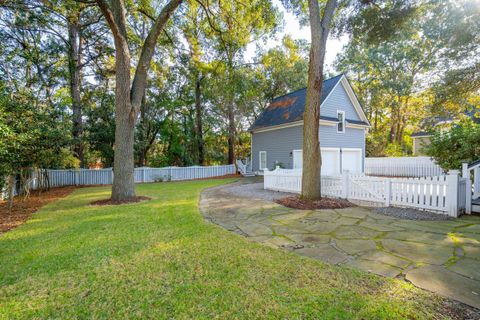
{"points": [[440, 256]]}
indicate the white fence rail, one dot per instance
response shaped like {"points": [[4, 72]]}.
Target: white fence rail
{"points": [[87, 177], [402, 167], [443, 194]]}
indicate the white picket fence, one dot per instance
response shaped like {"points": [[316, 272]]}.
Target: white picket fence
{"points": [[87, 177], [442, 194], [402, 167]]}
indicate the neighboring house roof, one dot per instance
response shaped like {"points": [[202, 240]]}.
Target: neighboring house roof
{"points": [[429, 123], [290, 107]]}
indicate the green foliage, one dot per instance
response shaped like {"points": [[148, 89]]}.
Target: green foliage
{"points": [[450, 148], [394, 150], [100, 130], [393, 78], [390, 65]]}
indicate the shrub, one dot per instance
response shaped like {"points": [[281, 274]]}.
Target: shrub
{"points": [[459, 144]]}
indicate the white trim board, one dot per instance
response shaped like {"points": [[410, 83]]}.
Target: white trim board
{"points": [[293, 124], [344, 121], [353, 99], [260, 160]]}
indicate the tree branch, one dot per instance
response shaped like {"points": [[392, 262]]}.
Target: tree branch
{"points": [[148, 49]]}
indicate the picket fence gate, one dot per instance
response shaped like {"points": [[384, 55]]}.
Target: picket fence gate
{"points": [[402, 167], [441, 194]]}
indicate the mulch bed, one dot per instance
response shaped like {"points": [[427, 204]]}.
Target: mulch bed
{"points": [[110, 202], [323, 203], [24, 208]]}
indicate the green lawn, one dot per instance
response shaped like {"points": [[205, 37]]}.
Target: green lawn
{"points": [[159, 259]]}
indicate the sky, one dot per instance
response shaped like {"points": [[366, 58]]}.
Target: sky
{"points": [[292, 27]]}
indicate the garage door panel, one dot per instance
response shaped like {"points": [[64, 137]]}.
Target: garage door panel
{"points": [[330, 161], [352, 160]]}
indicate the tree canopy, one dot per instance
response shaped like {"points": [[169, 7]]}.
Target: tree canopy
{"points": [[205, 83]]}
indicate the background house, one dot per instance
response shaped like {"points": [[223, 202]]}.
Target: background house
{"points": [[277, 134], [421, 139]]}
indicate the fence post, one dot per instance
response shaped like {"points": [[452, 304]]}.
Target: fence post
{"points": [[143, 174], [76, 177], [476, 180], [345, 184], [111, 175], [452, 193], [388, 192], [468, 186]]}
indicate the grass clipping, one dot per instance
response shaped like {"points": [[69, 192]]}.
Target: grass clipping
{"points": [[322, 203]]}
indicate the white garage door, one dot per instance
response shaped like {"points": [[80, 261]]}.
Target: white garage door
{"points": [[352, 160], [330, 161]]}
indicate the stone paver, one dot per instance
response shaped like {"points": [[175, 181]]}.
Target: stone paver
{"points": [[376, 267], [447, 283], [417, 251], [324, 252], [440, 256]]}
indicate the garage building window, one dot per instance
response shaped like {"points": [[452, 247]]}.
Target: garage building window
{"points": [[341, 121], [263, 160]]}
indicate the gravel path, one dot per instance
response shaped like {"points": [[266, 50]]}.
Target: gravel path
{"points": [[411, 214]]}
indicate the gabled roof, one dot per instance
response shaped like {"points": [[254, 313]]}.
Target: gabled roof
{"points": [[290, 107]]}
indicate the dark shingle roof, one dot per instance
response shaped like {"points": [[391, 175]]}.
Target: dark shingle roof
{"points": [[290, 107]]}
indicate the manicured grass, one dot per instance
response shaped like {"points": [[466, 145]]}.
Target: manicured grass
{"points": [[159, 259]]}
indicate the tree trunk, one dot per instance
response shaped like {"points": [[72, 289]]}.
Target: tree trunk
{"points": [[11, 188], [123, 182], [75, 61], [199, 121], [128, 94], [231, 134], [142, 134], [312, 162]]}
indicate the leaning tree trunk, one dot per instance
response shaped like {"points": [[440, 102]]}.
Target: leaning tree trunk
{"points": [[312, 161]]}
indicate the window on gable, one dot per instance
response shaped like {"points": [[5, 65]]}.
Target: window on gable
{"points": [[263, 160], [341, 121]]}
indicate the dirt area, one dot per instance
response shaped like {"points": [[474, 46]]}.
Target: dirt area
{"points": [[24, 208], [110, 202], [323, 203]]}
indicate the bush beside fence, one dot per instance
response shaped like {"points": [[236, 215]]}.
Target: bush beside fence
{"points": [[443, 194], [402, 167]]}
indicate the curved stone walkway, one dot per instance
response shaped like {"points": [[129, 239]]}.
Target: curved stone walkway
{"points": [[440, 256]]}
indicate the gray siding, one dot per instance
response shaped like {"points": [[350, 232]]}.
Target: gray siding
{"points": [[339, 100], [279, 143]]}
